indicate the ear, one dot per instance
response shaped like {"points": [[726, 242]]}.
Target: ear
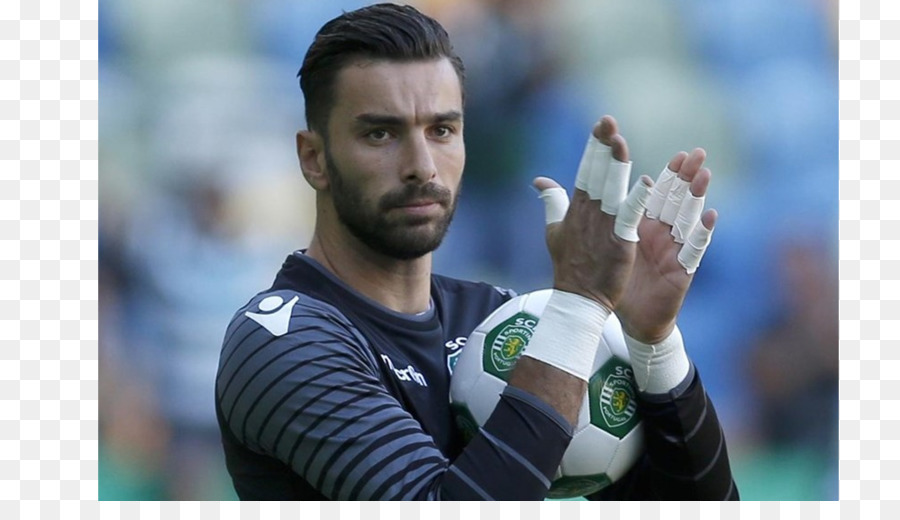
{"points": [[311, 152]]}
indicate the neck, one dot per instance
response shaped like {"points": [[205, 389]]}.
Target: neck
{"points": [[400, 285]]}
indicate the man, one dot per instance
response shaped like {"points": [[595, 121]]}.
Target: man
{"points": [[333, 383]]}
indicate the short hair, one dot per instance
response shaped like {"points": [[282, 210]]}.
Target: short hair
{"points": [[383, 32]]}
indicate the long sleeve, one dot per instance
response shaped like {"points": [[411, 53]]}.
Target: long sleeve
{"points": [[312, 399], [686, 456]]}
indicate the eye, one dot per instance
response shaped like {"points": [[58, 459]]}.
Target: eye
{"points": [[378, 135], [444, 131]]}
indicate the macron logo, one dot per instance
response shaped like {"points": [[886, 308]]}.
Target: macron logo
{"points": [[405, 374], [275, 315]]}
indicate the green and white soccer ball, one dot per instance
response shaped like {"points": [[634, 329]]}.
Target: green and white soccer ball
{"points": [[608, 438]]}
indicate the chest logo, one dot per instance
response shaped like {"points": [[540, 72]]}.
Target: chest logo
{"points": [[275, 316], [454, 349], [405, 374]]}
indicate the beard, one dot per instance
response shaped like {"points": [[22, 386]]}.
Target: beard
{"points": [[393, 234]]}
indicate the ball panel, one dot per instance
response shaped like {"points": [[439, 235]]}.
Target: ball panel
{"points": [[630, 449], [573, 487], [589, 453], [484, 396]]}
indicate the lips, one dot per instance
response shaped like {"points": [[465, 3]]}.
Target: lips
{"points": [[419, 203]]}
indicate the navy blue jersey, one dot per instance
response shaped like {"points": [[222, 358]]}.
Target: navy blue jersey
{"points": [[322, 393]]}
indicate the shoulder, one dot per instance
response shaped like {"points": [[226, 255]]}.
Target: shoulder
{"points": [[469, 289], [276, 321]]}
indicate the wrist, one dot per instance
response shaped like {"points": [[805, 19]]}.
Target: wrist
{"points": [[661, 366], [568, 333]]}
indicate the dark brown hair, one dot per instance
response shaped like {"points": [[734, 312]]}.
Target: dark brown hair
{"points": [[382, 32]]}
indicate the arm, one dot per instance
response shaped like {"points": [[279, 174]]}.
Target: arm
{"points": [[592, 263], [312, 400], [686, 455]]}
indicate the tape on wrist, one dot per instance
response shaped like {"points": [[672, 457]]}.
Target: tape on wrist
{"points": [[659, 368], [568, 333]]}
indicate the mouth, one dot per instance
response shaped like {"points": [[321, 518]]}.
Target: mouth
{"points": [[421, 208]]}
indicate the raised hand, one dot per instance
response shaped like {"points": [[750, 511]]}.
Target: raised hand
{"points": [[672, 240], [591, 247]]}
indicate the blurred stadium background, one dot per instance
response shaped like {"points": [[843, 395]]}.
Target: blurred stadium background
{"points": [[202, 198]]}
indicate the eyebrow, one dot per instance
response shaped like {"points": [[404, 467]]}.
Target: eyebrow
{"points": [[389, 120]]}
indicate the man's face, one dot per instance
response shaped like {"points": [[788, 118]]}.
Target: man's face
{"points": [[394, 153]]}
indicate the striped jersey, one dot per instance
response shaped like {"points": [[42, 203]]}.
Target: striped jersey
{"points": [[322, 393]]}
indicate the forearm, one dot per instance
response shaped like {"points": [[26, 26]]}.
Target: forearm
{"points": [[561, 390], [686, 455]]}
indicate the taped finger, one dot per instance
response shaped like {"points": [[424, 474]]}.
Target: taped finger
{"points": [[694, 248], [556, 203], [687, 217], [600, 158], [659, 193], [676, 195], [616, 186], [592, 168], [631, 211]]}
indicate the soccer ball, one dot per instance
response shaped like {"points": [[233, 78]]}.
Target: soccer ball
{"points": [[608, 438]]}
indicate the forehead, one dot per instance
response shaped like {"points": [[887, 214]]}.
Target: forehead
{"points": [[410, 90]]}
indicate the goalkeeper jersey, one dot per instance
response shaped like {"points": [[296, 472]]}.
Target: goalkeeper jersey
{"points": [[322, 393]]}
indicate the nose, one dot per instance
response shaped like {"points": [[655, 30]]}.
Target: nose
{"points": [[419, 164]]}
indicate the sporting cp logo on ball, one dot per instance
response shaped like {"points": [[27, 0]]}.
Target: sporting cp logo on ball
{"points": [[608, 438], [507, 340], [615, 407]]}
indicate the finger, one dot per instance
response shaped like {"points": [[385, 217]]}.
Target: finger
{"points": [[661, 190], [632, 209], [676, 161], [601, 157], [677, 191], [692, 164], [710, 218], [615, 186], [556, 201], [691, 206], [619, 147], [695, 246], [591, 174], [700, 182], [605, 129]]}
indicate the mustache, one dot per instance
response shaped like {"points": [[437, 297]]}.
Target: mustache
{"points": [[414, 193]]}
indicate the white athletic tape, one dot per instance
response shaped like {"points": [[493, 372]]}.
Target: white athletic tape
{"points": [[584, 167], [673, 201], [694, 247], [615, 188], [601, 157], [568, 334], [631, 212], [556, 203], [593, 164], [660, 192], [661, 367], [687, 217]]}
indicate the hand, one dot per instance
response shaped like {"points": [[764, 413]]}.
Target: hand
{"points": [[589, 259], [658, 282]]}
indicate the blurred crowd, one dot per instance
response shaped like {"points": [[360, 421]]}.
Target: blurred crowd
{"points": [[202, 198]]}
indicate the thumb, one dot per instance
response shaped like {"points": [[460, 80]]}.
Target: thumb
{"points": [[556, 201]]}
